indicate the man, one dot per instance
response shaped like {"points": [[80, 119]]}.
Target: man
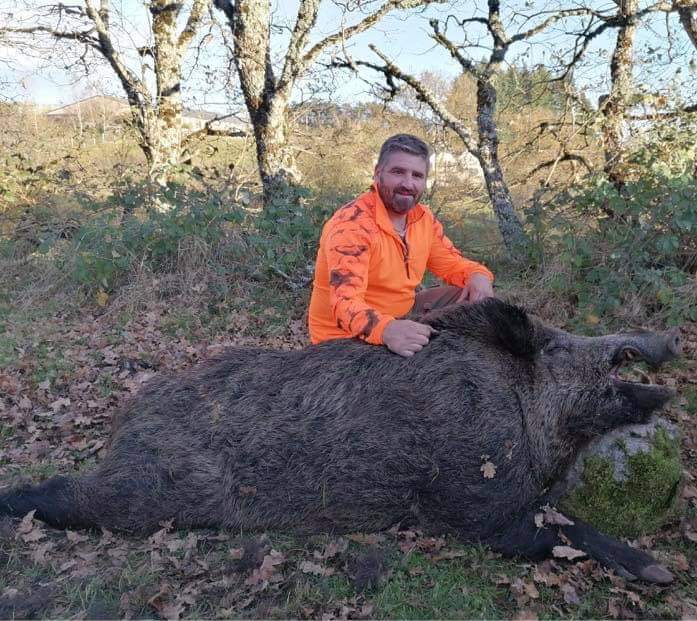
{"points": [[373, 254]]}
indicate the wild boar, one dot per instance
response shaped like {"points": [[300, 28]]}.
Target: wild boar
{"points": [[467, 437]]}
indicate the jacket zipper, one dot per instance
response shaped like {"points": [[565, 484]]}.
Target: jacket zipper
{"points": [[405, 253]]}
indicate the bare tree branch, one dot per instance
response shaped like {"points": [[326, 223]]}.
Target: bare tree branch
{"points": [[465, 63], [527, 34], [135, 89], [362, 26], [209, 130], [661, 116], [199, 8], [295, 62], [564, 157], [83, 36], [688, 19], [425, 95]]}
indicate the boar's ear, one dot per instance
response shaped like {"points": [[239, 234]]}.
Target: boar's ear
{"points": [[512, 327], [503, 325]]}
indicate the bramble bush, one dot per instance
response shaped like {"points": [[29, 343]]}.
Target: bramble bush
{"points": [[286, 233], [195, 237], [629, 254], [109, 245]]}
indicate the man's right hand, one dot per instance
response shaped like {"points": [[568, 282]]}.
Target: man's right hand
{"points": [[405, 337]]}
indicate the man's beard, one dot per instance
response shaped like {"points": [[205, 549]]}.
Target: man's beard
{"points": [[399, 204]]}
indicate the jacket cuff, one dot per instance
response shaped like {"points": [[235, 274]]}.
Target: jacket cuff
{"points": [[375, 337]]}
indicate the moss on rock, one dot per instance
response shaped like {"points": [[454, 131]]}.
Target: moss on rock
{"points": [[641, 499]]}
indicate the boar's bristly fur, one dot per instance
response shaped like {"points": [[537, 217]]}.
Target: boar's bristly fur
{"points": [[346, 436]]}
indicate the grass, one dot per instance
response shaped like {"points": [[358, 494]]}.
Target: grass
{"points": [[458, 589], [690, 395], [50, 363], [144, 578]]}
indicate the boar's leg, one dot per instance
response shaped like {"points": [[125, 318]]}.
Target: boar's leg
{"points": [[136, 504], [524, 538], [53, 501]]}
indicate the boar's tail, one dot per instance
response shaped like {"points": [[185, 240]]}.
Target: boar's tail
{"points": [[56, 502]]}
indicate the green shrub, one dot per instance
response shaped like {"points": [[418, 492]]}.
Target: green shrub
{"points": [[285, 235], [633, 252], [109, 245]]}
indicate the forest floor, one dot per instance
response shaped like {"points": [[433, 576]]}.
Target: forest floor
{"points": [[63, 374]]}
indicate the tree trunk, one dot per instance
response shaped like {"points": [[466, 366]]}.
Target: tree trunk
{"points": [[615, 105], [266, 101], [688, 19], [276, 164], [512, 232], [157, 120], [165, 131]]}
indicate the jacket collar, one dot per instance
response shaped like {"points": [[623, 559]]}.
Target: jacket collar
{"points": [[382, 218]]}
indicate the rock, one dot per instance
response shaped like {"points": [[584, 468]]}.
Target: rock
{"points": [[626, 483]]}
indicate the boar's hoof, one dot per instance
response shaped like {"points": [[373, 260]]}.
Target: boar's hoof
{"points": [[654, 573], [657, 574]]}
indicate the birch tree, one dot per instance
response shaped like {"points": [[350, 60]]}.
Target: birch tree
{"points": [[73, 34], [268, 88]]}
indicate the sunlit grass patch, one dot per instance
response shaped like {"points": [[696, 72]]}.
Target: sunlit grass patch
{"points": [[462, 588]]}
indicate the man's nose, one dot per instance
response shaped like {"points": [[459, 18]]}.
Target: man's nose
{"points": [[410, 181]]}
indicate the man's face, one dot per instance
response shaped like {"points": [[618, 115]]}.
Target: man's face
{"points": [[401, 181]]}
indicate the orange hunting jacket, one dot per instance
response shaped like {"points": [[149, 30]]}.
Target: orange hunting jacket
{"points": [[366, 276]]}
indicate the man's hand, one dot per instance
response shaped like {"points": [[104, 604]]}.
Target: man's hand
{"points": [[478, 287], [405, 337]]}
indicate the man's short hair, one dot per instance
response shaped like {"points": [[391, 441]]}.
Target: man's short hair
{"points": [[406, 143]]}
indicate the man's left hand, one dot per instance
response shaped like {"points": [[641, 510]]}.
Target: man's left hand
{"points": [[478, 287]]}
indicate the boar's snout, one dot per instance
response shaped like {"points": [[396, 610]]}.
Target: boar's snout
{"points": [[654, 348], [674, 342]]}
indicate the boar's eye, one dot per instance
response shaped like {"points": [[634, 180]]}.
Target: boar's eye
{"points": [[555, 348]]}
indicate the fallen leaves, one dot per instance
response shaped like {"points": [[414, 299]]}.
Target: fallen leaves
{"points": [[101, 298], [39, 553], [61, 402], [689, 492], [448, 555], [545, 574], [551, 517], [168, 605], [688, 529], [680, 562], [236, 553], [308, 567], [570, 595], [488, 470], [267, 571], [524, 590], [567, 552], [332, 549], [29, 530], [371, 539]]}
